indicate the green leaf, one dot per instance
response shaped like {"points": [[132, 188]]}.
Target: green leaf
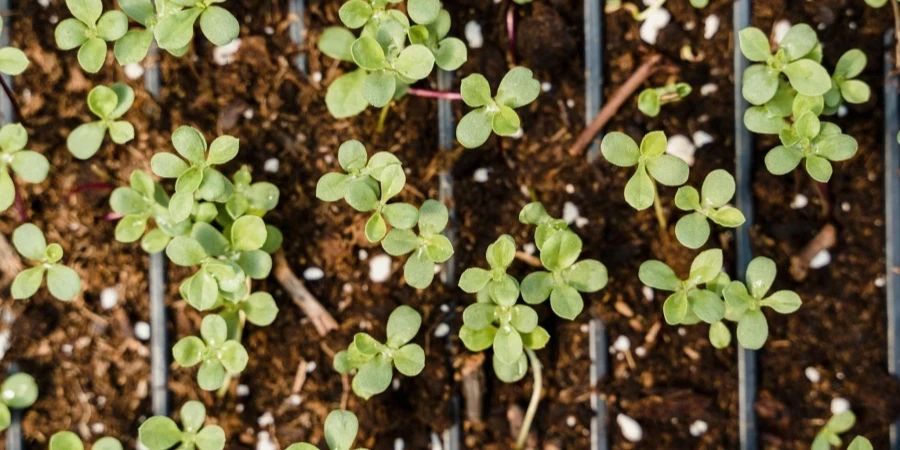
{"points": [[433, 217], [141, 11], [336, 42], [706, 305], [675, 308], [475, 128], [13, 61], [841, 422], [524, 319], [84, 141], [112, 25], [344, 98], [781, 160], [508, 345], [808, 77], [223, 149], [188, 351], [233, 356], [506, 122], [474, 280], [379, 88], [410, 360], [175, 31], [505, 291], [518, 88], [248, 233], [92, 55], [784, 302], [798, 41], [87, 11], [184, 251], [131, 228], [753, 330], [376, 228], [29, 242], [477, 340], [65, 440], [860, 442], [692, 230], [402, 326], [211, 375], [27, 283], [401, 215], [423, 11], [190, 144], [19, 391], [851, 64], [159, 433], [340, 429], [537, 287], [728, 217], [819, 168], [219, 26], [510, 373], [853, 91], [537, 339], [13, 137], [561, 250], [210, 438], [639, 191], [361, 195], [6, 419], [648, 102], [451, 54], [619, 149], [760, 276], [658, 275], [668, 170], [476, 91], [706, 266], [415, 62], [374, 377], [181, 205], [331, 187], [755, 45], [586, 276], [836, 148], [7, 190], [121, 132], [400, 242], [70, 34], [718, 188], [479, 316], [167, 165], [653, 144], [566, 302], [367, 53], [760, 84], [355, 13], [502, 252], [719, 335], [419, 270]]}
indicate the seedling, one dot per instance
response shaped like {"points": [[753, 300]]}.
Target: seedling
{"points": [[449, 53], [535, 214], [89, 31], [374, 360], [67, 440], [19, 391], [688, 301], [340, 432], [860, 443], [653, 165], [109, 104], [844, 85], [12, 60], [495, 113], [693, 230], [819, 143], [63, 282], [197, 178], [838, 424], [217, 355], [26, 164], [162, 433], [651, 100], [745, 302], [429, 248]]}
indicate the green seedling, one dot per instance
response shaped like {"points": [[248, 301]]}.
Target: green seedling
{"points": [[495, 113], [449, 53], [109, 104], [197, 178], [19, 391], [651, 100], [546, 225], [428, 248], [689, 303], [162, 433], [145, 199], [217, 355], [693, 229], [89, 31], [26, 164], [340, 432], [255, 199], [860, 443], [828, 436], [12, 60], [819, 143], [798, 57], [699, 3], [745, 302], [374, 361], [844, 85], [653, 165], [67, 440], [63, 282]]}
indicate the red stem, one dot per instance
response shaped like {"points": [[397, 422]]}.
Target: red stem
{"points": [[112, 216], [20, 208], [427, 93], [511, 30], [91, 187]]}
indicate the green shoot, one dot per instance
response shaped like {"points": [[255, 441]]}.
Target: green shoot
{"points": [[745, 302], [495, 113], [689, 303], [428, 248], [109, 104], [162, 433], [19, 391], [797, 58], [651, 100], [67, 440], [63, 282], [844, 85], [217, 355], [26, 164], [838, 424], [89, 31], [693, 229], [340, 432], [374, 360]]}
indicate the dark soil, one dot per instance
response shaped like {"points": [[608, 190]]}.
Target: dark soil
{"points": [[277, 112]]}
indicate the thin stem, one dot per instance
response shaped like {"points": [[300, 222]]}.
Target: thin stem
{"points": [[535, 398], [511, 30], [896, 7], [91, 187], [238, 335], [20, 208], [15, 103], [379, 128], [428, 93], [657, 206]]}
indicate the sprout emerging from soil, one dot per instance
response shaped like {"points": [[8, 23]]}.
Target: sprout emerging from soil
{"points": [[67, 440], [62, 282], [162, 433], [89, 31], [495, 113], [375, 360], [693, 229], [838, 424], [340, 432], [217, 355], [844, 85], [26, 164], [798, 57], [651, 100], [19, 391], [689, 303], [367, 186], [109, 104], [745, 302]]}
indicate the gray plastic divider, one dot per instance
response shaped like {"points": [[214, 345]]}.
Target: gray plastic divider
{"points": [[743, 148], [892, 217], [298, 31]]}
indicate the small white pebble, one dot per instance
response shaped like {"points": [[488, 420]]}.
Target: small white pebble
{"points": [[380, 268], [698, 428], [98, 428], [311, 367], [67, 349], [682, 331], [622, 344], [134, 71], [839, 405], [648, 293], [780, 29], [399, 444], [682, 147], [631, 430], [571, 421], [242, 390], [800, 201], [570, 103], [655, 21], [852, 25], [142, 331], [709, 88], [363, 254], [109, 298], [581, 222], [546, 86], [295, 400], [395, 385], [264, 441], [316, 77], [473, 34], [224, 55], [271, 165], [329, 159], [842, 111], [480, 175], [239, 408], [701, 138], [822, 259], [436, 443], [269, 30], [529, 248], [54, 19], [839, 375], [845, 207], [44, 3], [249, 113], [570, 212], [812, 374], [879, 282], [570, 189], [313, 274], [711, 26], [266, 419], [640, 352], [101, 401], [445, 308], [441, 330]]}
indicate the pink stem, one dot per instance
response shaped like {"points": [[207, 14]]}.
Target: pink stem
{"points": [[20, 208], [511, 30], [112, 216], [427, 93], [91, 187]]}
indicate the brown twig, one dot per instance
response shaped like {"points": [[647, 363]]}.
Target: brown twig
{"points": [[317, 314], [531, 260], [618, 99], [15, 103], [826, 239]]}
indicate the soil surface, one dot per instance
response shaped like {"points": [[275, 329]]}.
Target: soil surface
{"points": [[94, 373]]}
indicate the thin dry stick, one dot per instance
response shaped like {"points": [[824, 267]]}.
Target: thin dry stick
{"points": [[618, 99], [826, 239], [531, 260], [318, 315]]}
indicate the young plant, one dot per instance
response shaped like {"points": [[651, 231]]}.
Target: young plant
{"points": [[838, 424], [693, 229], [67, 440], [162, 433], [196, 179], [26, 164], [495, 113], [63, 282], [217, 355], [428, 248], [450, 53], [374, 361], [844, 85], [653, 165], [798, 57], [745, 302], [819, 143], [340, 432], [109, 104], [89, 31], [12, 60], [688, 301], [19, 391], [651, 100]]}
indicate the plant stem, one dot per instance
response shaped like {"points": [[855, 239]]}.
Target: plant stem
{"points": [[15, 103], [379, 128], [511, 30], [238, 335], [20, 208], [428, 93], [535, 398], [657, 206]]}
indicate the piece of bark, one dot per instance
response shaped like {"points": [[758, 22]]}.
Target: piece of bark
{"points": [[317, 314], [825, 240]]}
